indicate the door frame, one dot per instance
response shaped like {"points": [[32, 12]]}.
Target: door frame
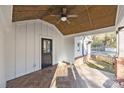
{"points": [[41, 49], [50, 48]]}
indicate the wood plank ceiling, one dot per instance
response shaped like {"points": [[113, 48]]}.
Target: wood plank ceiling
{"points": [[90, 17]]}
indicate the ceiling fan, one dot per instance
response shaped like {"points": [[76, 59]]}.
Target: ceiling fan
{"points": [[64, 16]]}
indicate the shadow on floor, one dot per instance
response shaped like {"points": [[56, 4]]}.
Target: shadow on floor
{"points": [[72, 80]]}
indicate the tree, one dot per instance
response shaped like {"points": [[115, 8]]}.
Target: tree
{"points": [[104, 40]]}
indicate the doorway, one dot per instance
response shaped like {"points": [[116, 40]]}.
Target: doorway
{"points": [[46, 50]]}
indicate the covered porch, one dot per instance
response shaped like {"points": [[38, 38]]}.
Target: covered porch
{"points": [[65, 75]]}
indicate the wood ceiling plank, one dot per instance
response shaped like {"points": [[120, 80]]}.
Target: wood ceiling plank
{"points": [[90, 17], [105, 21], [97, 12], [31, 7]]}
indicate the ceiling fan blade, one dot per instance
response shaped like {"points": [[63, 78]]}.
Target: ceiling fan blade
{"points": [[55, 15], [68, 21], [72, 16], [58, 21]]}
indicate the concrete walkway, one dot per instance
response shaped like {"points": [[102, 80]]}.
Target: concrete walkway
{"points": [[96, 78]]}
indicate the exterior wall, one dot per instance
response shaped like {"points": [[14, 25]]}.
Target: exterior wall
{"points": [[2, 61], [68, 53], [5, 26], [23, 46]]}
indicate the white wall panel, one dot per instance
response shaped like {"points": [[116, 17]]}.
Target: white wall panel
{"points": [[54, 32], [20, 49], [30, 47], [69, 50], [50, 31], [2, 65], [5, 26], [44, 29], [37, 46], [10, 53]]}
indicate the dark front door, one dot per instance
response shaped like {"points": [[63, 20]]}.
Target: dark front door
{"points": [[46, 52]]}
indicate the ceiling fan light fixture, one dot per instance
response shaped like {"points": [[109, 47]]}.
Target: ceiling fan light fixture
{"points": [[63, 19]]}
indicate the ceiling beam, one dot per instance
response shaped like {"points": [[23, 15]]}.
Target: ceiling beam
{"points": [[89, 17]]}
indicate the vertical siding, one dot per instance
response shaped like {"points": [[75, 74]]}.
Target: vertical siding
{"points": [[20, 49], [10, 53], [26, 37], [30, 47]]}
